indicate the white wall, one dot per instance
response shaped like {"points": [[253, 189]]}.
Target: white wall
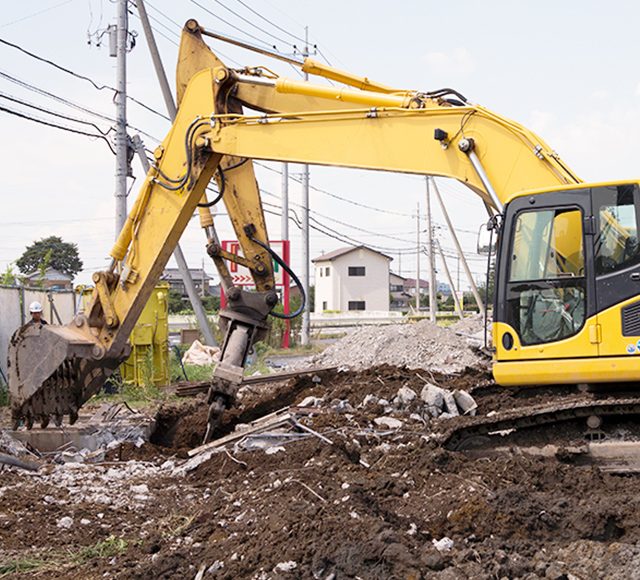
{"points": [[10, 320], [338, 289]]}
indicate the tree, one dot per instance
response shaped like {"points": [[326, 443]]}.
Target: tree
{"points": [[211, 304], [174, 302], [62, 256]]}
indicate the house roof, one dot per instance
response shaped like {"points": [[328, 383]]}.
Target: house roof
{"points": [[50, 274], [330, 256], [411, 283], [173, 274]]}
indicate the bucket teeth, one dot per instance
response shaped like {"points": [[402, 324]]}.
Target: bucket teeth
{"points": [[28, 421], [44, 421]]}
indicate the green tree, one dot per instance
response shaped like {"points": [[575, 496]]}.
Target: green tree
{"points": [[62, 256], [482, 287], [9, 276], [211, 304], [174, 302]]}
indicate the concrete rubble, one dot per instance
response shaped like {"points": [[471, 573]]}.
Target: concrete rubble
{"points": [[419, 345]]}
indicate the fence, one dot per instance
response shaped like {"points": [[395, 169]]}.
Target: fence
{"points": [[58, 307]]}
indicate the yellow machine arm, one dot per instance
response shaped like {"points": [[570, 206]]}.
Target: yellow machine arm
{"points": [[54, 370]]}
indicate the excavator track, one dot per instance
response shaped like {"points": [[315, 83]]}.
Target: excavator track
{"points": [[539, 415]]}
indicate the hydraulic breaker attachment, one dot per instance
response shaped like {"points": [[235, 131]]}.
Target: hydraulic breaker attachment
{"points": [[54, 370], [243, 323]]}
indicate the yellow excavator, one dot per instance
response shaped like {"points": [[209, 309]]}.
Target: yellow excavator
{"points": [[567, 287]]}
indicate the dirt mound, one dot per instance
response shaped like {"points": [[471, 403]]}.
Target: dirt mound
{"points": [[350, 495], [420, 345]]}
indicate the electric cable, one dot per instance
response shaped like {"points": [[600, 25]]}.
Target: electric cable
{"points": [[291, 273], [54, 113], [79, 76], [48, 124], [231, 25], [269, 21], [251, 23]]}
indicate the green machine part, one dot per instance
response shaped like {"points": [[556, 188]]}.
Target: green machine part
{"points": [[149, 360]]}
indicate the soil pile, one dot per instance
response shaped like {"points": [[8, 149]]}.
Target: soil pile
{"points": [[420, 345], [362, 488]]}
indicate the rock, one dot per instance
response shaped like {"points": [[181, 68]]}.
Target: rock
{"points": [[65, 522], [433, 396], [389, 422], [556, 571], [450, 403], [405, 396], [432, 558], [140, 489], [465, 402], [285, 566], [311, 402], [443, 545], [217, 565]]}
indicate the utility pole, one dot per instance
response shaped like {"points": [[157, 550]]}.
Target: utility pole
{"points": [[190, 287], [433, 302], [122, 165], [305, 331], [446, 271], [418, 258], [472, 283], [284, 223]]}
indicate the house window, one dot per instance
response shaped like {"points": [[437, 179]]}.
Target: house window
{"points": [[327, 271], [320, 272], [356, 305], [356, 270], [324, 306]]}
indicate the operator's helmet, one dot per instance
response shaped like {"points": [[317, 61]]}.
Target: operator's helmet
{"points": [[35, 307]]}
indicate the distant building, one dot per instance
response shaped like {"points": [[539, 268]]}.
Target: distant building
{"points": [[200, 279], [352, 278], [52, 280], [400, 298], [410, 286]]}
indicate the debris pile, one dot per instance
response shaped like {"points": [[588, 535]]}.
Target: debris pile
{"points": [[344, 479], [420, 345]]}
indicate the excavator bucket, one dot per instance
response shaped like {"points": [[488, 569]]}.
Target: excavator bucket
{"points": [[53, 370]]}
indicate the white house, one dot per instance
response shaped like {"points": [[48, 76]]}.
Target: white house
{"points": [[352, 278]]}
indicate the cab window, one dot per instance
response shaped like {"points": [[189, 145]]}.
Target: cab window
{"points": [[616, 241], [546, 288]]}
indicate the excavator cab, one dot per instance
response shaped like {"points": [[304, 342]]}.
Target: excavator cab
{"points": [[569, 274]]}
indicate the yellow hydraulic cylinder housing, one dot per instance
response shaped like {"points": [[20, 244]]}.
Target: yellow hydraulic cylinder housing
{"points": [[148, 363]]}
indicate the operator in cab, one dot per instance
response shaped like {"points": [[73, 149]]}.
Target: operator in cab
{"points": [[35, 308]]}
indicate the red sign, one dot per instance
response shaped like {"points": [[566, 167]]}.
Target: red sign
{"points": [[242, 277]]}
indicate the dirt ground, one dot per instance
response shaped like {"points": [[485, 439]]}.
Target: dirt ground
{"points": [[368, 500]]}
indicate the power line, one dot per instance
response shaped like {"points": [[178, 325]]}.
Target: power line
{"points": [[231, 25], [251, 23], [54, 113], [68, 103], [269, 21], [179, 27], [77, 75], [36, 13], [42, 122]]}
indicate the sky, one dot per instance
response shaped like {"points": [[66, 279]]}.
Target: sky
{"points": [[565, 69]]}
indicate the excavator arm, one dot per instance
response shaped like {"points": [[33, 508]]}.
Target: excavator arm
{"points": [[54, 370]]}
